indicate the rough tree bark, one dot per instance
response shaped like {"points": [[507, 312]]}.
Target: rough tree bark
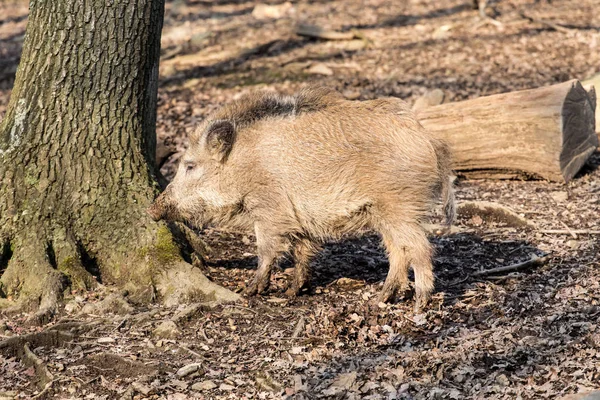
{"points": [[77, 149]]}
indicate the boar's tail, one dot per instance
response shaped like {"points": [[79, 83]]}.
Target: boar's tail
{"points": [[448, 200], [446, 179]]}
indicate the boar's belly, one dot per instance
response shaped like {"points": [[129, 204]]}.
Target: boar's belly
{"points": [[337, 220]]}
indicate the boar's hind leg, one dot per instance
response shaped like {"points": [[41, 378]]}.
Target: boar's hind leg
{"points": [[421, 262], [397, 277], [406, 244], [269, 248], [304, 249]]}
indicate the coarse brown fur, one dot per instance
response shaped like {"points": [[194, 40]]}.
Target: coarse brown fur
{"points": [[298, 170]]}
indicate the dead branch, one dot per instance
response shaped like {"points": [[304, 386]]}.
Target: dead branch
{"points": [[45, 390], [590, 84], [570, 231], [534, 261], [192, 352], [549, 24]]}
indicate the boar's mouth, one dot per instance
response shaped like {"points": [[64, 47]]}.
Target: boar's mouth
{"points": [[162, 209]]}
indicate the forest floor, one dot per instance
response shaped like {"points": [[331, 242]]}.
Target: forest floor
{"points": [[532, 333]]}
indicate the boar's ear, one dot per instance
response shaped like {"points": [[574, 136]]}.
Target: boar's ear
{"points": [[219, 139]]}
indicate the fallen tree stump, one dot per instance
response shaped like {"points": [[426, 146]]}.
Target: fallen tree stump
{"points": [[547, 132]]}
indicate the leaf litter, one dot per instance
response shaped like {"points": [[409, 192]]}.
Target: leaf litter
{"points": [[530, 333]]}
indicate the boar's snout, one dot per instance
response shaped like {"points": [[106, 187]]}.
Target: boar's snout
{"points": [[162, 208]]}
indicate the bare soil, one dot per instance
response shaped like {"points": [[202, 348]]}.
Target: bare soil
{"points": [[532, 333]]}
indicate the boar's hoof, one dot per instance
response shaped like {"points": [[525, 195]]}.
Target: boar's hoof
{"points": [[403, 292], [390, 292], [250, 290], [257, 286], [295, 289], [421, 300], [297, 286]]}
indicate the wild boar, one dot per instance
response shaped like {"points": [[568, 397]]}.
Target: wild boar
{"points": [[299, 170]]}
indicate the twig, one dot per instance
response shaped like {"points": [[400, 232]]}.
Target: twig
{"points": [[44, 391], [241, 308], [534, 261], [123, 322], [571, 231], [489, 20], [299, 327], [488, 210], [94, 379], [464, 296], [192, 352], [552, 25]]}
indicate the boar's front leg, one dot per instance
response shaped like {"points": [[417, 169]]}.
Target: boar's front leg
{"points": [[304, 249], [269, 248]]}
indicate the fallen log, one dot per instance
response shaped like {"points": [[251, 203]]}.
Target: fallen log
{"points": [[547, 132]]}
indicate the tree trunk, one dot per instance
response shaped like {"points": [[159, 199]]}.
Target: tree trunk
{"points": [[77, 149], [546, 132]]}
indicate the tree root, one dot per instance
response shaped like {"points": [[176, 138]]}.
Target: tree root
{"points": [[69, 259], [31, 279], [20, 348], [123, 366], [114, 303], [14, 346], [38, 270], [41, 370], [147, 267], [183, 283]]}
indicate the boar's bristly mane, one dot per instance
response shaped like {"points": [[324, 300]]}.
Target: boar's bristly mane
{"points": [[257, 106]]}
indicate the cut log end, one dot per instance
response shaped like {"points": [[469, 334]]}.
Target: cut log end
{"points": [[548, 132], [579, 126]]}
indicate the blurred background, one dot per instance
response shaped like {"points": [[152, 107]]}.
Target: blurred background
{"points": [[213, 51]]}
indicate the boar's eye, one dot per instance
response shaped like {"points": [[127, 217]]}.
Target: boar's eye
{"points": [[189, 166]]}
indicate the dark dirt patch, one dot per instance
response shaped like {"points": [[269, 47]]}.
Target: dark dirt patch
{"points": [[112, 366]]}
